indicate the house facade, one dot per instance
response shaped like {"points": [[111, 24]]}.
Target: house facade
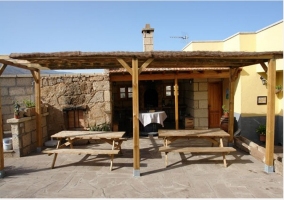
{"points": [[249, 88]]}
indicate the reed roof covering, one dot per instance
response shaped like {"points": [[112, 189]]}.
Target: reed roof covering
{"points": [[161, 59]]}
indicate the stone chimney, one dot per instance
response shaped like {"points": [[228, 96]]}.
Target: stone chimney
{"points": [[148, 40]]}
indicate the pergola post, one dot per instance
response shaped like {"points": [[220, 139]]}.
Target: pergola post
{"points": [[231, 103], [36, 75], [270, 119], [2, 172], [176, 103], [135, 107]]}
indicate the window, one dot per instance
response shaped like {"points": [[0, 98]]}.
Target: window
{"points": [[169, 90], [125, 92]]}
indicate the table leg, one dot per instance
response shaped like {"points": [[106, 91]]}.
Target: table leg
{"points": [[166, 159], [70, 142], [113, 143], [166, 154], [224, 157], [55, 155], [111, 161]]}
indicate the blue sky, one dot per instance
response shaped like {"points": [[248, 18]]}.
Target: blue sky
{"points": [[116, 25]]}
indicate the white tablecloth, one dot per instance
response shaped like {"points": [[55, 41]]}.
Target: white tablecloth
{"points": [[152, 117]]}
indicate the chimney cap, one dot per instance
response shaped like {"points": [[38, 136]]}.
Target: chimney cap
{"points": [[147, 28]]}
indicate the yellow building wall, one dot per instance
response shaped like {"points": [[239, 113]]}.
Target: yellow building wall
{"points": [[270, 39], [247, 41], [232, 43], [264, 42], [205, 46], [249, 86], [279, 96]]}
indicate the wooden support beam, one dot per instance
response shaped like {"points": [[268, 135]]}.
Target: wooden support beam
{"points": [[231, 104], [176, 103], [1, 143], [36, 74], [270, 118], [33, 72], [169, 76], [145, 65], [125, 65], [135, 107], [235, 72], [263, 65], [2, 68]]}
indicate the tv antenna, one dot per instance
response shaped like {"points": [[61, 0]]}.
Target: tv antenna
{"points": [[185, 37]]}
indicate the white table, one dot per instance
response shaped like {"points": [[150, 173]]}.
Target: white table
{"points": [[152, 117]]}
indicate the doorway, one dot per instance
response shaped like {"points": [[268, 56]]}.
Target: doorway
{"points": [[214, 104]]}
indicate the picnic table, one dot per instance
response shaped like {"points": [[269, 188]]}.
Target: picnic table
{"points": [[215, 136], [115, 139]]}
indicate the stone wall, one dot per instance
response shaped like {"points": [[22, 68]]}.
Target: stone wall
{"points": [[66, 91], [197, 99], [14, 88], [24, 137]]}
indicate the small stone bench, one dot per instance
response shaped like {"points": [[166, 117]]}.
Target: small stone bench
{"points": [[223, 150], [111, 153]]}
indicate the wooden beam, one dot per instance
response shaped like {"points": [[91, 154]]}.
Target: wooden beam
{"points": [[169, 76], [125, 65], [235, 72], [270, 118], [1, 142], [33, 72], [135, 107], [231, 104], [36, 75], [2, 68], [263, 66], [176, 103], [145, 65]]}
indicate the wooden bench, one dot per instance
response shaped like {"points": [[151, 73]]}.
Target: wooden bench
{"points": [[111, 153], [223, 150]]}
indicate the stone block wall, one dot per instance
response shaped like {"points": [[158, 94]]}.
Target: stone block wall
{"points": [[24, 137], [14, 88], [66, 91], [197, 99]]}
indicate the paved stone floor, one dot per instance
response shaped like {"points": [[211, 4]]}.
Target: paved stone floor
{"points": [[196, 176]]}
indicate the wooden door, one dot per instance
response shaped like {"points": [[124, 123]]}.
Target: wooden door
{"points": [[214, 104]]}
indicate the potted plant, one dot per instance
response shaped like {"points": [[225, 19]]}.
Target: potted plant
{"points": [[30, 108], [261, 129], [278, 89], [29, 103], [16, 110], [225, 111], [224, 121]]}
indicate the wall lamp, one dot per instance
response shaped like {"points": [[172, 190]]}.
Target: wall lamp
{"points": [[264, 81]]}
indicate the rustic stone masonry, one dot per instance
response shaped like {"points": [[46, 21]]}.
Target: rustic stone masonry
{"points": [[91, 91], [24, 139]]}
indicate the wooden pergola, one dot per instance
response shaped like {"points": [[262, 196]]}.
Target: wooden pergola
{"points": [[137, 62]]}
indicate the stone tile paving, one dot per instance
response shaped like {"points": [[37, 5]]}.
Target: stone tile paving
{"points": [[194, 176]]}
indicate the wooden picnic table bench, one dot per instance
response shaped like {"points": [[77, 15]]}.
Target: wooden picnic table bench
{"points": [[115, 139], [215, 136]]}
